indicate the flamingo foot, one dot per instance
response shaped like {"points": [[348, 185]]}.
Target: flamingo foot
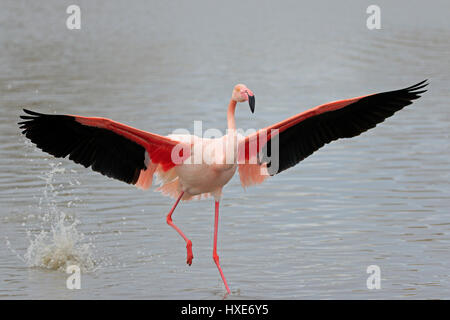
{"points": [[190, 256], [216, 260]]}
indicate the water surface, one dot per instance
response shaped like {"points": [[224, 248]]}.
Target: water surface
{"points": [[309, 233]]}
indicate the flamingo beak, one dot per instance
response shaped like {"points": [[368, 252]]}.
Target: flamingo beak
{"points": [[251, 103]]}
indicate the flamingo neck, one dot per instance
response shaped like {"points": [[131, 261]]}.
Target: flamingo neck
{"points": [[230, 115]]}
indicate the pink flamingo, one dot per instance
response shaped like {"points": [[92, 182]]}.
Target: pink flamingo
{"points": [[189, 166]]}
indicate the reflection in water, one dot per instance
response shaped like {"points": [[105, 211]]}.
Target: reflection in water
{"points": [[379, 199]]}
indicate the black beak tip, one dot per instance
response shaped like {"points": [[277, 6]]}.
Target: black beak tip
{"points": [[251, 103]]}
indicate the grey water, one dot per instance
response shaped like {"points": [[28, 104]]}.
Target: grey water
{"points": [[310, 232]]}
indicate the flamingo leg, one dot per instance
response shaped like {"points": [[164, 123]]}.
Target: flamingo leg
{"points": [[215, 256], [190, 256]]}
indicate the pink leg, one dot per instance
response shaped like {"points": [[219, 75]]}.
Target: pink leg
{"points": [[215, 256], [190, 256]]}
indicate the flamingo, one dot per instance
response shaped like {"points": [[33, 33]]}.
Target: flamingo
{"points": [[135, 156]]}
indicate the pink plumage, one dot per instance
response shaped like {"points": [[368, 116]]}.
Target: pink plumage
{"points": [[190, 167]]}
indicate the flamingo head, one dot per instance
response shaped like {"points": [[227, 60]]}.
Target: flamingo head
{"points": [[241, 94]]}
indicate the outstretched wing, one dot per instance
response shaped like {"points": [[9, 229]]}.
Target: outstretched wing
{"points": [[109, 147], [306, 132]]}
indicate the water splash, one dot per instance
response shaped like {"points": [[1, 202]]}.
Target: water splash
{"points": [[58, 244], [60, 247]]}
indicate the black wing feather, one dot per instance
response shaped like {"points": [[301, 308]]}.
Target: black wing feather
{"points": [[105, 151], [302, 139]]}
